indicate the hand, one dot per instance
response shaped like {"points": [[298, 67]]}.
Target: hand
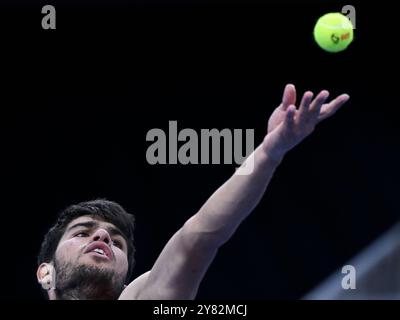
{"points": [[289, 125]]}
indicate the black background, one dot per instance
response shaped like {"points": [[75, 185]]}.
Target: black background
{"points": [[77, 102]]}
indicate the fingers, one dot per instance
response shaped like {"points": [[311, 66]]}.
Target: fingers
{"points": [[316, 105], [304, 109], [310, 111], [289, 117], [330, 108], [289, 96]]}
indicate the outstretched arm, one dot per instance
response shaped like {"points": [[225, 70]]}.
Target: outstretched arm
{"points": [[183, 262]]}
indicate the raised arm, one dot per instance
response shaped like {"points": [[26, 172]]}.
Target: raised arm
{"points": [[184, 260]]}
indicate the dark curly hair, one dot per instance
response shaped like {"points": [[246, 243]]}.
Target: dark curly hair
{"points": [[107, 210]]}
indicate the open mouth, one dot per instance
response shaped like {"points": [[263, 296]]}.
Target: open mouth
{"points": [[100, 250]]}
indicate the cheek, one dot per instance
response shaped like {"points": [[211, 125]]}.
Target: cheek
{"points": [[121, 261], [69, 250]]}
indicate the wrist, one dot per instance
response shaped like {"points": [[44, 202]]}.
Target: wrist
{"points": [[273, 151], [275, 156]]}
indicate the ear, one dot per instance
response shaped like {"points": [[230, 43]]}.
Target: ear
{"points": [[46, 276]]}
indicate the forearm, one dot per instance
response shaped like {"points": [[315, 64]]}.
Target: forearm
{"points": [[190, 251], [236, 198]]}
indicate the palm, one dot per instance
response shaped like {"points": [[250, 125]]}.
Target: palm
{"points": [[276, 118]]}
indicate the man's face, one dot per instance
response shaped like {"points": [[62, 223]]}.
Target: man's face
{"points": [[92, 250]]}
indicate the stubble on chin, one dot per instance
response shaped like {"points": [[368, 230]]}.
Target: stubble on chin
{"points": [[86, 282]]}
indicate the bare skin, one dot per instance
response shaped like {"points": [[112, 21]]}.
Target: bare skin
{"points": [[183, 262]]}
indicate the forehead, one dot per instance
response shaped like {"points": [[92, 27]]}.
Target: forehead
{"points": [[101, 223]]}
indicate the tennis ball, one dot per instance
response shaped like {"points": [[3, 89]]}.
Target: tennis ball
{"points": [[333, 32]]}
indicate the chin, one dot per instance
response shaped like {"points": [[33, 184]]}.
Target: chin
{"points": [[93, 261]]}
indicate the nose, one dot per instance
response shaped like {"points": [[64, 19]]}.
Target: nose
{"points": [[102, 235]]}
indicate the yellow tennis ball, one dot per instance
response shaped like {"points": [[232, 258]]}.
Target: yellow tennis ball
{"points": [[333, 32]]}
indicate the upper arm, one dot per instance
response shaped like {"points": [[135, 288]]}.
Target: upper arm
{"points": [[181, 266]]}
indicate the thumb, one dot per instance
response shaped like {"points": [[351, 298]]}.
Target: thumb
{"points": [[289, 96]]}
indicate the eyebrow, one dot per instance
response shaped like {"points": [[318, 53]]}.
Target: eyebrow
{"points": [[113, 231]]}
